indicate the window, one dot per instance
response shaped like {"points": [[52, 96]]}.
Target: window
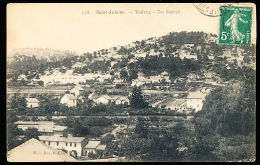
{"points": [[66, 144], [70, 144], [198, 105], [57, 143], [75, 145], [49, 143]]}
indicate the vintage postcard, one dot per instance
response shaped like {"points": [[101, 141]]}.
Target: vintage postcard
{"points": [[131, 82]]}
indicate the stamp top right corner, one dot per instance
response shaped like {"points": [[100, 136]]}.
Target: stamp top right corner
{"points": [[235, 25]]}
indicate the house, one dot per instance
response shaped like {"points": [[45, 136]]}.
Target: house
{"points": [[34, 150], [121, 100], [32, 102], [104, 99], [69, 100], [77, 90], [192, 76], [195, 100], [70, 143], [94, 147], [118, 81], [46, 130], [209, 75]]}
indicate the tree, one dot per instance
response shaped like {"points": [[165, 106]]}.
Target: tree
{"points": [[136, 98], [80, 129], [141, 129], [51, 107], [107, 139], [112, 73], [133, 74], [123, 74], [32, 133], [41, 83]]}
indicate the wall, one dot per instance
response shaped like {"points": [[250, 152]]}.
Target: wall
{"points": [[57, 133], [46, 133], [32, 104], [62, 145], [195, 103]]}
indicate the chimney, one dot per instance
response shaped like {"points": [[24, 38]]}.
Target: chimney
{"points": [[69, 135]]}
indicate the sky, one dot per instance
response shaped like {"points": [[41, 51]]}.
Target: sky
{"points": [[63, 26]]}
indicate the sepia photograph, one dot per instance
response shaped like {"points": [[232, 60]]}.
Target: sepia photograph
{"points": [[139, 82]]}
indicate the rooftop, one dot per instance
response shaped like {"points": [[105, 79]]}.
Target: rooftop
{"points": [[92, 144], [101, 147], [27, 152], [32, 100], [196, 95], [62, 139]]}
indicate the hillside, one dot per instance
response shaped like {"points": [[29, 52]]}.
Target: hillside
{"points": [[177, 53]]}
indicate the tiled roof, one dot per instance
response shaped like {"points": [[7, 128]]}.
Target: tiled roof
{"points": [[92, 144], [107, 97], [32, 100], [196, 95], [62, 139], [79, 88], [101, 147], [36, 151]]}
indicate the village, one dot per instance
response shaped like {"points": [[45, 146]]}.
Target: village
{"points": [[103, 84]]}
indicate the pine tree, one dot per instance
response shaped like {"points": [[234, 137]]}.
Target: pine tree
{"points": [[136, 98]]}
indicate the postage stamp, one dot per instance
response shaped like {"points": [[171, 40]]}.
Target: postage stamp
{"points": [[235, 25]]}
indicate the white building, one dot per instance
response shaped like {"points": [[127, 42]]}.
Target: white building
{"points": [[68, 143], [32, 102], [69, 100], [104, 99], [77, 90], [93, 146], [195, 100]]}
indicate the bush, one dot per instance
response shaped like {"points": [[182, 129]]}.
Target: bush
{"points": [[92, 155]]}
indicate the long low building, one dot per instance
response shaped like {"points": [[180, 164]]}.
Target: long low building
{"points": [[46, 128]]}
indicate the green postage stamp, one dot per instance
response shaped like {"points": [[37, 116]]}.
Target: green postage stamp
{"points": [[235, 25]]}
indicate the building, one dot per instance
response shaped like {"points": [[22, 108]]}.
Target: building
{"points": [[121, 100], [117, 99], [45, 130], [195, 100], [192, 77], [32, 102], [71, 144], [69, 100], [94, 147], [77, 90], [104, 99], [36, 151], [208, 75]]}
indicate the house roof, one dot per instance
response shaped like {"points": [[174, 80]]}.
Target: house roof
{"points": [[35, 151], [78, 88], [32, 100], [70, 96], [119, 97], [92, 144], [196, 95], [107, 97], [101, 147], [62, 139]]}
